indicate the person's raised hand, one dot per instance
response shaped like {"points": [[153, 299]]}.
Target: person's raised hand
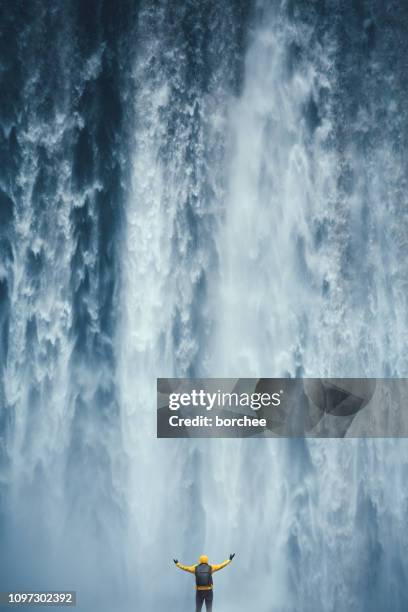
{"points": [[175, 561], [232, 555]]}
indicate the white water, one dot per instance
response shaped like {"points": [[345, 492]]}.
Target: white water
{"points": [[263, 234], [312, 523], [168, 249]]}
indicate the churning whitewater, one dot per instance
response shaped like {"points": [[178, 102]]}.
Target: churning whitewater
{"points": [[199, 188]]}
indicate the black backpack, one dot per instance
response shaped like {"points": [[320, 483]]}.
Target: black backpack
{"points": [[203, 575]]}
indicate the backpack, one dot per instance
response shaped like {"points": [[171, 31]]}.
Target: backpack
{"points": [[203, 575]]}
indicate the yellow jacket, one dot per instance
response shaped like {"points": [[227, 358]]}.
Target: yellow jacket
{"points": [[214, 568]]}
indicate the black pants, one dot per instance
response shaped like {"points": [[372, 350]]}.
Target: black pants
{"points": [[204, 596]]}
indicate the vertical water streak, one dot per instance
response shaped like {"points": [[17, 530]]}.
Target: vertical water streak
{"points": [[310, 285], [61, 186], [185, 72]]}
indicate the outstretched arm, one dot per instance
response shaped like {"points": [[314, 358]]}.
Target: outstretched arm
{"points": [[186, 568], [215, 568]]}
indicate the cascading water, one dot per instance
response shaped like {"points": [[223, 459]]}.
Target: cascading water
{"points": [[61, 199], [199, 188]]}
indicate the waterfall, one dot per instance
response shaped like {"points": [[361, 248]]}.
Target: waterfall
{"points": [[199, 188], [183, 82], [61, 198]]}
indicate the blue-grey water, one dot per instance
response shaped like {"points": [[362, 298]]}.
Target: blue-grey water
{"points": [[199, 188]]}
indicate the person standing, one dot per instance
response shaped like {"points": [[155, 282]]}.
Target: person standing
{"points": [[203, 572]]}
